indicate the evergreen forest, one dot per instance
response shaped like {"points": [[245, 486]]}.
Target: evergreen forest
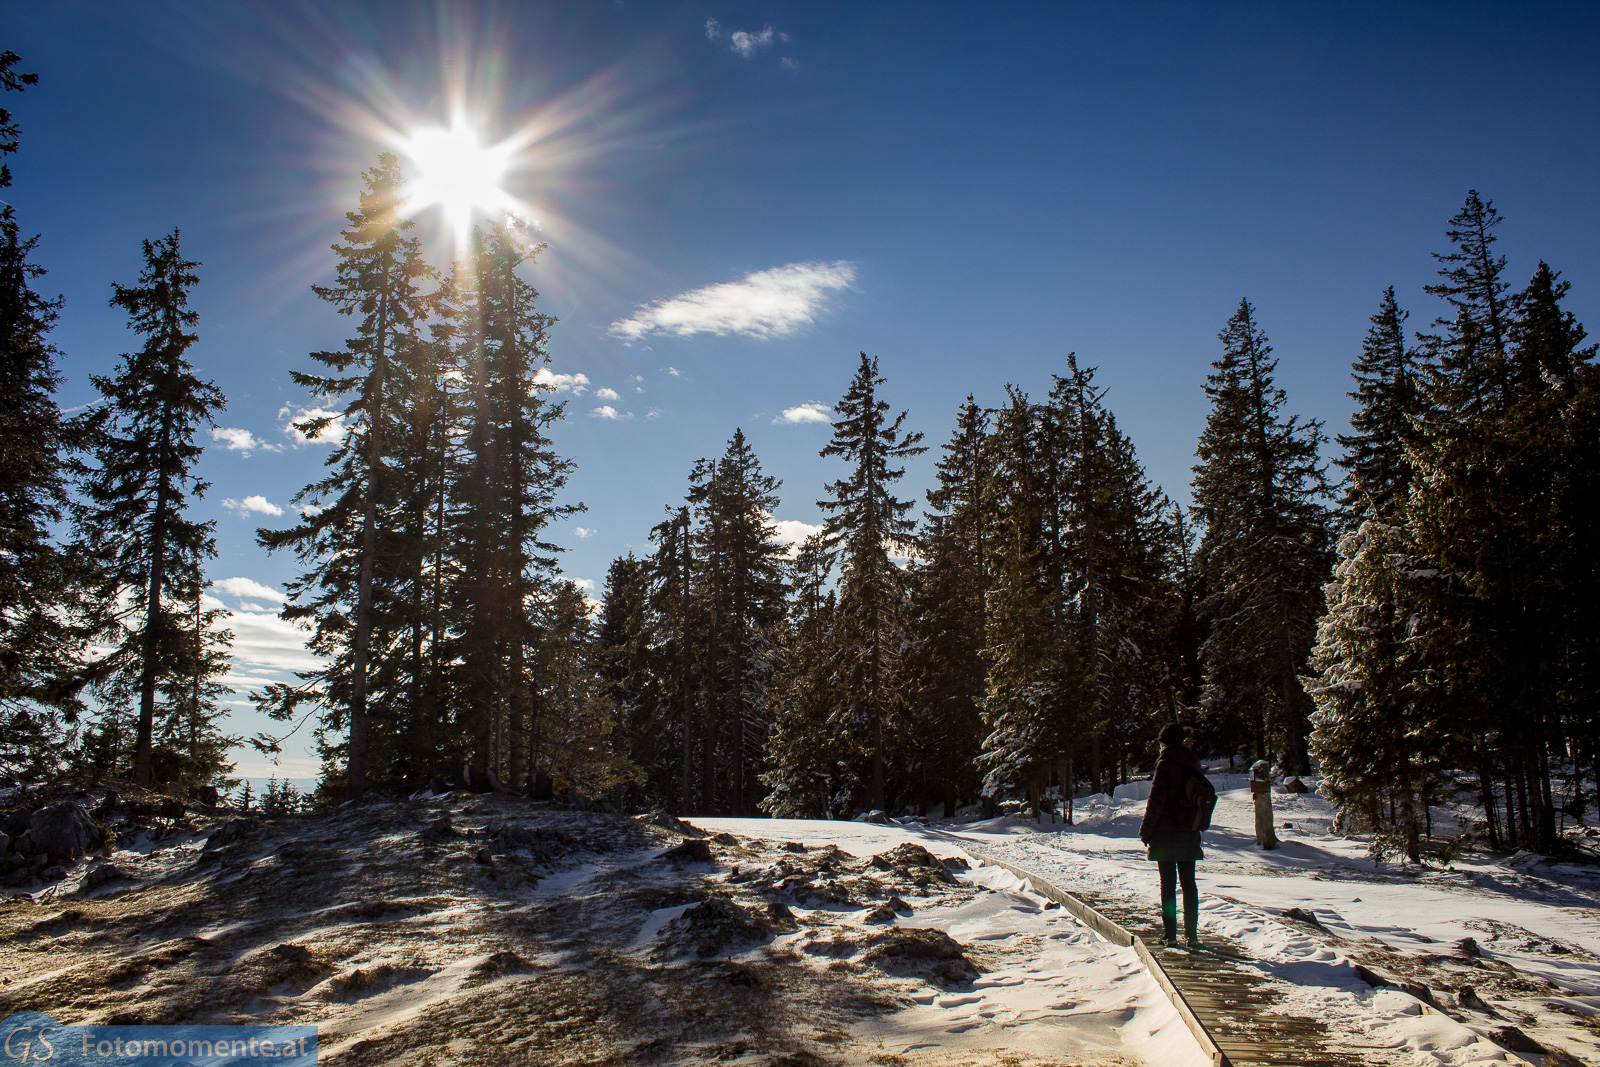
{"points": [[1407, 610]]}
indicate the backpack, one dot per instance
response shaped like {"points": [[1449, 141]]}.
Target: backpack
{"points": [[1201, 797]]}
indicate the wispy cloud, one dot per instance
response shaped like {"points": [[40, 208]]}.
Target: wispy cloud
{"points": [[766, 303], [583, 532], [744, 42], [239, 440], [252, 505], [246, 587], [810, 411], [674, 371], [297, 423], [576, 384], [606, 394]]}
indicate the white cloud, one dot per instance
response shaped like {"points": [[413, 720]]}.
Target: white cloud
{"points": [[811, 411], [606, 411], [674, 371], [745, 43], [766, 303], [311, 511], [713, 29], [296, 420], [789, 64], [561, 383], [239, 440], [793, 531], [246, 587], [583, 532], [606, 394], [653, 413], [586, 584], [256, 504]]}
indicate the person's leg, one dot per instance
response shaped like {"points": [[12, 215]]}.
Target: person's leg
{"points": [[1169, 898], [1191, 902]]}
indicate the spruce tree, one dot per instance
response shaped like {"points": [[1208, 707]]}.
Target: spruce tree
{"points": [[41, 642], [742, 597], [812, 770], [378, 278], [1379, 742], [1498, 502], [1260, 491], [508, 497], [867, 521], [1387, 403], [150, 555]]}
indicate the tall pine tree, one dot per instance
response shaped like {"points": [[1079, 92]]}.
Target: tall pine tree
{"points": [[151, 555], [1260, 490], [868, 522]]}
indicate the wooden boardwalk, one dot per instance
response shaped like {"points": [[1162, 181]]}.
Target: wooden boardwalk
{"points": [[1232, 1009], [1235, 1003]]}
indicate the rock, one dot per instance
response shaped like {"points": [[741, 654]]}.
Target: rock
{"points": [[1300, 915], [1469, 947], [880, 915], [441, 827], [5, 843], [438, 786], [1468, 998], [171, 810], [232, 830], [660, 817], [109, 806], [61, 831], [485, 857], [53, 873], [105, 872], [779, 912], [794, 846], [896, 904], [873, 816], [1295, 785], [692, 850], [16, 822], [292, 953], [204, 794], [725, 839], [956, 863]]}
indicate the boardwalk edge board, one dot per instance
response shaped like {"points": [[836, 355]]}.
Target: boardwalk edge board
{"points": [[1117, 935]]}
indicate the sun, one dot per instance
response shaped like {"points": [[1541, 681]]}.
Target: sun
{"points": [[451, 167]]}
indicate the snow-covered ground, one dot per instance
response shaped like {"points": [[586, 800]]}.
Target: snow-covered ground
{"points": [[1535, 924]]}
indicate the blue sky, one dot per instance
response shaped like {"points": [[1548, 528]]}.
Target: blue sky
{"points": [[967, 192]]}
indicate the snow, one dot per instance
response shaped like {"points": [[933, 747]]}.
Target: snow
{"points": [[1529, 916], [1056, 990]]}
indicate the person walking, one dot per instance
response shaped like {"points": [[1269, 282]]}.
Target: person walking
{"points": [[1169, 831], [1261, 791]]}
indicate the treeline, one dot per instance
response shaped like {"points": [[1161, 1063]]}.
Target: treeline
{"points": [[1459, 649]]}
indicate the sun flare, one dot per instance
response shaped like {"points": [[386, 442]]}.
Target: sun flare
{"points": [[451, 167]]}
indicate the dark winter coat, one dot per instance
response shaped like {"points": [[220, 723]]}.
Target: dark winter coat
{"points": [[1168, 815]]}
